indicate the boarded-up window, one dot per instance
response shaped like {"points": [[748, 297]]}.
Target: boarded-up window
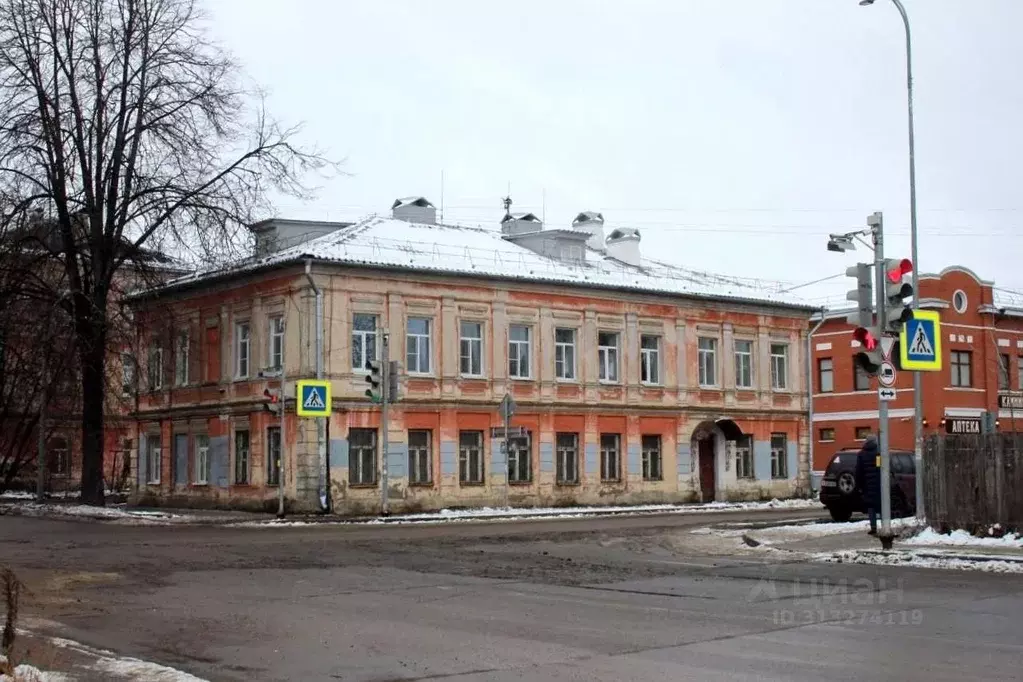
{"points": [[212, 354]]}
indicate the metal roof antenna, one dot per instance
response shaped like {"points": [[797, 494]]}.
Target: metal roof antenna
{"points": [[442, 195], [507, 201]]}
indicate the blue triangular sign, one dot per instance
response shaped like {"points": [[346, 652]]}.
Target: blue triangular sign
{"points": [[313, 400]]}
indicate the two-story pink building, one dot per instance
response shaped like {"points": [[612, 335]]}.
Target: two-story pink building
{"points": [[635, 381]]}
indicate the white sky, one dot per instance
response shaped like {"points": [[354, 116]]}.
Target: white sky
{"points": [[735, 134]]}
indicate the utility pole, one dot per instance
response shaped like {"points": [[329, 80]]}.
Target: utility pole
{"points": [[283, 415], [385, 398], [876, 223], [41, 453]]}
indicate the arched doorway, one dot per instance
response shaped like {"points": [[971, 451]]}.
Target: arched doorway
{"points": [[708, 442]]}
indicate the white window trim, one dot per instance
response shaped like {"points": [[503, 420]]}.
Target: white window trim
{"points": [[362, 335], [783, 377], [752, 374], [604, 364], [272, 335], [429, 343], [238, 341], [155, 357], [700, 352], [559, 346], [480, 341], [644, 354], [151, 452], [528, 343], [204, 470]]}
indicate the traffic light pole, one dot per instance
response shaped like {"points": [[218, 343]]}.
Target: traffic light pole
{"points": [[283, 413], [385, 398], [876, 222]]}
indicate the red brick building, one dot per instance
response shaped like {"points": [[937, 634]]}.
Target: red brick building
{"points": [[982, 348]]}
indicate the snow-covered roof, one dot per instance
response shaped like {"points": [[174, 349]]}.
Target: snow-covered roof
{"points": [[380, 241], [417, 201]]}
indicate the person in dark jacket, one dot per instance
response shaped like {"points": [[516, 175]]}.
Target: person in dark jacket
{"points": [[868, 480]]}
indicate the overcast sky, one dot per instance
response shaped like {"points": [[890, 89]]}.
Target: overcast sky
{"points": [[735, 134]]}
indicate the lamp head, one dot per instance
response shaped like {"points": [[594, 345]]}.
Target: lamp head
{"points": [[864, 3]]}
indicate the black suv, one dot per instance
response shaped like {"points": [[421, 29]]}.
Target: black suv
{"points": [[838, 487]]}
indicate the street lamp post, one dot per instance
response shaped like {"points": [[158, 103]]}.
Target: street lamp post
{"points": [[918, 432]]}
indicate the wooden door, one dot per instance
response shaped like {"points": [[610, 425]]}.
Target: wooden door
{"points": [[706, 450]]}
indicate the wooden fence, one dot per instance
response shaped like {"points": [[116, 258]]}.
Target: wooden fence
{"points": [[974, 481]]}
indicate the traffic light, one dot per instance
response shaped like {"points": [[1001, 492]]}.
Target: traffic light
{"points": [[897, 310], [273, 404], [862, 295], [868, 358], [375, 392]]}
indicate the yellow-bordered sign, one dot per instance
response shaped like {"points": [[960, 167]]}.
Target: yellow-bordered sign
{"points": [[313, 398], [920, 342]]}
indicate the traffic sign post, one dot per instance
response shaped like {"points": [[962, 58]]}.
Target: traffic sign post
{"points": [[313, 398], [886, 375], [885, 395], [920, 342], [876, 223], [506, 409]]}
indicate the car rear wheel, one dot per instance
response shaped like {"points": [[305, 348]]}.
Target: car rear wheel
{"points": [[840, 514]]}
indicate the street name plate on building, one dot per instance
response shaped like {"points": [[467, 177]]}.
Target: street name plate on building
{"points": [[957, 425]]}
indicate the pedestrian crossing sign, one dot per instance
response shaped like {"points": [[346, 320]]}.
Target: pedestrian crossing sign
{"points": [[313, 398], [920, 342]]}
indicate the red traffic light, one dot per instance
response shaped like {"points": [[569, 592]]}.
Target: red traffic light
{"points": [[270, 395], [865, 338], [901, 269]]}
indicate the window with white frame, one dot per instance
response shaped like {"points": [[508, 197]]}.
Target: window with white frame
{"points": [[564, 353], [275, 346], [607, 356], [652, 469], [364, 340], [861, 380], [825, 375], [707, 356], [420, 459], [650, 359], [779, 366], [960, 362], [567, 452], [241, 457], [519, 351], [202, 459], [520, 468], [610, 457], [362, 456], [470, 457], [471, 348], [417, 345], [273, 455], [1019, 372], [779, 458], [181, 359], [155, 368], [154, 457], [744, 457], [242, 349], [743, 363]]}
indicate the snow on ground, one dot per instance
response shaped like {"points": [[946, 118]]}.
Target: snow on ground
{"points": [[113, 512], [797, 531], [913, 559], [521, 513], [960, 538], [27, 673], [115, 667]]}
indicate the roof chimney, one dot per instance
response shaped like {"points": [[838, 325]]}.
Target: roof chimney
{"points": [[593, 224], [414, 210], [623, 245]]}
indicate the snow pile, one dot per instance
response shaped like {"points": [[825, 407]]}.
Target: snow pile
{"points": [[114, 667], [796, 531], [522, 513], [960, 538], [110, 513], [27, 673], [911, 559]]}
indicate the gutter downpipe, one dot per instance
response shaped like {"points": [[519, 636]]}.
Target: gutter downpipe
{"points": [[809, 390], [324, 464]]}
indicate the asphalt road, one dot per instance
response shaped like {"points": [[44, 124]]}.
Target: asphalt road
{"points": [[584, 599]]}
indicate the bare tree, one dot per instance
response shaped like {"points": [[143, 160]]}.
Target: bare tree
{"points": [[130, 128]]}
